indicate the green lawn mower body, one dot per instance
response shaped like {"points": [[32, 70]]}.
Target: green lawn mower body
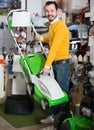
{"points": [[32, 66], [77, 123]]}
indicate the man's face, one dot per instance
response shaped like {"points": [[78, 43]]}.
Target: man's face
{"points": [[51, 12]]}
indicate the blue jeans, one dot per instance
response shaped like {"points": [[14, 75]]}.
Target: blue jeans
{"points": [[62, 76]]}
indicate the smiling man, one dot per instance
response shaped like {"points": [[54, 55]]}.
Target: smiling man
{"points": [[58, 56]]}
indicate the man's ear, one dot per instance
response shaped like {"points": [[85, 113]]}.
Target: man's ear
{"points": [[57, 11]]}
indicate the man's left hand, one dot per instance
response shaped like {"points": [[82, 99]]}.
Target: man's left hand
{"points": [[45, 71]]}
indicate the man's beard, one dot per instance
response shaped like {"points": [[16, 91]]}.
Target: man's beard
{"points": [[51, 19]]}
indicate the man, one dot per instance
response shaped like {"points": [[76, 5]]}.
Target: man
{"points": [[58, 56]]}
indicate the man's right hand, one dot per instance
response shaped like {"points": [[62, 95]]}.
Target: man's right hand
{"points": [[38, 37]]}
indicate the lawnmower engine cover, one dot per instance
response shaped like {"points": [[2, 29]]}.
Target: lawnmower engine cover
{"points": [[87, 105]]}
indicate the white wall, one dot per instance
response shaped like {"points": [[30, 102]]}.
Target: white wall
{"points": [[74, 6], [35, 6]]}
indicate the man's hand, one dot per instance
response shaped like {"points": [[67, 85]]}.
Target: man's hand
{"points": [[38, 37], [45, 71]]}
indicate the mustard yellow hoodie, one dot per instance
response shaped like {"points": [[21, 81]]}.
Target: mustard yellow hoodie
{"points": [[58, 40]]}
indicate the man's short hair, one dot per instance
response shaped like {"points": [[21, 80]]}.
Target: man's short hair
{"points": [[52, 2]]}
